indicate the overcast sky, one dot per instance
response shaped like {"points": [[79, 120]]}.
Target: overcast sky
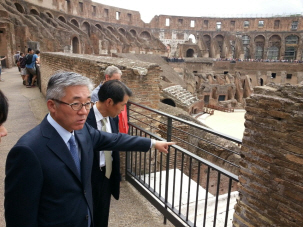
{"points": [[201, 8]]}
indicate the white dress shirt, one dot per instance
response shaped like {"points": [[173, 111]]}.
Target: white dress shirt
{"points": [[65, 135], [99, 118]]}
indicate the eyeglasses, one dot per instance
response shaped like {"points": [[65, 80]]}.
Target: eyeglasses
{"points": [[77, 105]]}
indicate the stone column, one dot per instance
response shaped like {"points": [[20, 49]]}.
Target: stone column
{"points": [[271, 173]]}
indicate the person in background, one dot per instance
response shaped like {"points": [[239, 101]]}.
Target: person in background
{"points": [[3, 114], [31, 69], [23, 71], [37, 65], [113, 96], [1, 68], [113, 73], [16, 58]]}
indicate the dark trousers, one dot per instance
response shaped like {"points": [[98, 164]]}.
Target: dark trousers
{"points": [[101, 191]]}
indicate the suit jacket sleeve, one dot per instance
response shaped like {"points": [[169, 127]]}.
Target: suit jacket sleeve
{"points": [[22, 182], [117, 141]]}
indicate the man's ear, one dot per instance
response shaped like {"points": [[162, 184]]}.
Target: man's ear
{"points": [[51, 106], [109, 102]]}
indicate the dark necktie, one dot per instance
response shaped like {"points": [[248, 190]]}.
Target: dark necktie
{"points": [[74, 153], [75, 156]]}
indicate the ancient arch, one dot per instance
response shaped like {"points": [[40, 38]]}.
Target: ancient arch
{"points": [[219, 43], [259, 41], [145, 35], [75, 45], [190, 53], [99, 26], [111, 29], [49, 14], [19, 8], [34, 11], [261, 82], [86, 28], [274, 47], [61, 18], [207, 42], [169, 102], [246, 46], [291, 45], [75, 22], [133, 32], [122, 31]]}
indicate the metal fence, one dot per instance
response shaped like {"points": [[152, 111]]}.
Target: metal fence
{"points": [[184, 185]]}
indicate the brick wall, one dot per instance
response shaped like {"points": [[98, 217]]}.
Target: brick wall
{"points": [[271, 174]]}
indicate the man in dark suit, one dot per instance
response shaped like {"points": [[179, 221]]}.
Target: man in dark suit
{"points": [[113, 97], [48, 171]]}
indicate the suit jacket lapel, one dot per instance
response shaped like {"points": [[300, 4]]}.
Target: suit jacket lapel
{"points": [[91, 119], [113, 125], [58, 147]]}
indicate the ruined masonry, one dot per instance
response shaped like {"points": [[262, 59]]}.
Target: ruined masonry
{"points": [[271, 174]]}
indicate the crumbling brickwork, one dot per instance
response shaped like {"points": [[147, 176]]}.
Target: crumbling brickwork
{"points": [[271, 174]]}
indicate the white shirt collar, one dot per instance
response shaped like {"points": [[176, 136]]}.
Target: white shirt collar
{"points": [[65, 135], [98, 115]]}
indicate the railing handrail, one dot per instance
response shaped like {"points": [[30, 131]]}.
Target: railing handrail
{"points": [[220, 134], [196, 157]]}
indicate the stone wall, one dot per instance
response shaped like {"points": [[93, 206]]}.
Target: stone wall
{"points": [[263, 70], [134, 73], [271, 174]]}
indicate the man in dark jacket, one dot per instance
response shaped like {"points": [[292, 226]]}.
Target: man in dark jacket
{"points": [[48, 171]]}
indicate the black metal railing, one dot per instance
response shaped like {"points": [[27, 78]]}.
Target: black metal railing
{"points": [[195, 184]]}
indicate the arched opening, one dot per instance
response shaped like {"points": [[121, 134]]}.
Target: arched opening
{"points": [[191, 38], [274, 47], [259, 46], [246, 46], [111, 29], [273, 53], [86, 28], [75, 22], [207, 41], [145, 35], [35, 12], [19, 8], [75, 45], [219, 49], [133, 32], [99, 26], [62, 19], [169, 102], [291, 47], [261, 82], [122, 31], [190, 53], [49, 14]]}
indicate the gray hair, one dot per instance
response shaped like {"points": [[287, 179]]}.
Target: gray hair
{"points": [[112, 70], [60, 80]]}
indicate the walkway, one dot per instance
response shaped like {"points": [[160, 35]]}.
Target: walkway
{"points": [[27, 109]]}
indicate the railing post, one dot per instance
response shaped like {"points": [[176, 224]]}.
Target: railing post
{"points": [[128, 154], [169, 134]]}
